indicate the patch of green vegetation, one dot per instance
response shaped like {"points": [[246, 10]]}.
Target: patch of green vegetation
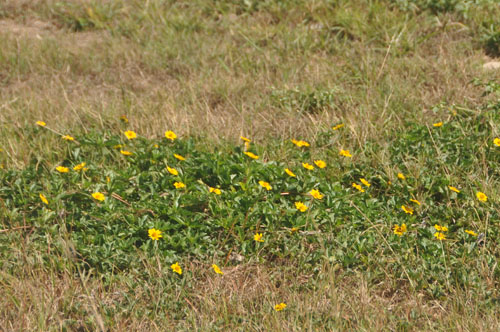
{"points": [[491, 40], [313, 101], [436, 6], [81, 17], [353, 223]]}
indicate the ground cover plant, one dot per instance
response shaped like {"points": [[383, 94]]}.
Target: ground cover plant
{"points": [[249, 165]]}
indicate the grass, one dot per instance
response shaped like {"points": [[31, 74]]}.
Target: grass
{"points": [[271, 71]]}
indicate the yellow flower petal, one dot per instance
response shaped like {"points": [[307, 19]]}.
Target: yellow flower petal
{"points": [[308, 166], [265, 185], [179, 157], [62, 169], [68, 138], [172, 171], [345, 153], [481, 196], [320, 163], [44, 199], [358, 186], [98, 196], [176, 268], [251, 155], [363, 181], [300, 206], [280, 306], [407, 209], [217, 269], [179, 185], [79, 167], [316, 194], [258, 237], [170, 135], [154, 234], [130, 134]]}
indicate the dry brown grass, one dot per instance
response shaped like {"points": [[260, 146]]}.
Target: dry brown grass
{"points": [[240, 300], [218, 78]]}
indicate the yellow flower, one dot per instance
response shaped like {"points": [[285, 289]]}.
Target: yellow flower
{"points": [[366, 183], [245, 139], [440, 236], [320, 163], [280, 306], [293, 230], [401, 176], [41, 123], [337, 127], [130, 134], [44, 199], [251, 155], [481, 196], [345, 153], [172, 171], [98, 196], [496, 141], [156, 146], [216, 269], [79, 167], [124, 118], [407, 209], [265, 185], [176, 268], [154, 234], [108, 179], [471, 232], [215, 190], [316, 194], [400, 230], [62, 169], [68, 138], [118, 146], [441, 228], [258, 237], [415, 201], [179, 157], [179, 185], [437, 124], [358, 186], [301, 206], [289, 172], [300, 143], [453, 189], [125, 153], [170, 135], [308, 166]]}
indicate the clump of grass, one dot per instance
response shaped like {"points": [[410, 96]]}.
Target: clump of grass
{"points": [[491, 41]]}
